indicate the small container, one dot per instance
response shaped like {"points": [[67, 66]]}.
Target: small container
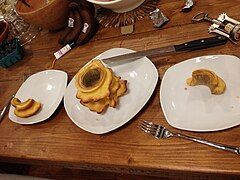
{"points": [[10, 52]]}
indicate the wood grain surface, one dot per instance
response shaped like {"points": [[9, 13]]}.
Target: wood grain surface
{"points": [[58, 141]]}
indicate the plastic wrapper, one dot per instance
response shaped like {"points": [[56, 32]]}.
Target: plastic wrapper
{"points": [[158, 18]]}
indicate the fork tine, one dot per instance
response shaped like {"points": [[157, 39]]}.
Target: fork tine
{"points": [[147, 128], [152, 132], [157, 131], [150, 124], [146, 124]]}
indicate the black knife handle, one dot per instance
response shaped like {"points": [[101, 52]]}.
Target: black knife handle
{"points": [[201, 43]]}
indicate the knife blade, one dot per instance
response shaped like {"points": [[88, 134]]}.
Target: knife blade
{"points": [[187, 46]]}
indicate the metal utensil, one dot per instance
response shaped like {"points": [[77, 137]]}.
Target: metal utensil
{"points": [[223, 25], [187, 46], [161, 132], [5, 108], [4, 111]]}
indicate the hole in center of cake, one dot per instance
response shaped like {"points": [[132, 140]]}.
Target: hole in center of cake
{"points": [[91, 78]]}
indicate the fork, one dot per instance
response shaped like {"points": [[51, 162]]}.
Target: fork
{"points": [[3, 112], [161, 132]]}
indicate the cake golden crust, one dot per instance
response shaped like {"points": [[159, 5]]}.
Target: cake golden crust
{"points": [[98, 87], [209, 79], [25, 109]]}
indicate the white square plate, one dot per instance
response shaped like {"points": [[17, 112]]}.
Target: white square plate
{"points": [[142, 77], [195, 108], [46, 87]]}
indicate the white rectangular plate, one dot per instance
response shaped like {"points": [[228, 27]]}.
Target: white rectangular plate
{"points": [[195, 108], [46, 87], [142, 77]]}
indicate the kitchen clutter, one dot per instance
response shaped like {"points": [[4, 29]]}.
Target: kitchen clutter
{"points": [[81, 24], [223, 25], [188, 6], [18, 28], [81, 27], [77, 21], [10, 52], [109, 18], [47, 14], [158, 18], [118, 6]]}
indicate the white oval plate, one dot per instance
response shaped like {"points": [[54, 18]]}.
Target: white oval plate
{"points": [[46, 87], [195, 108], [142, 77]]}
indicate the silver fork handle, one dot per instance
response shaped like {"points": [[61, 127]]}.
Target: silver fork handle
{"points": [[5, 108], [209, 143]]}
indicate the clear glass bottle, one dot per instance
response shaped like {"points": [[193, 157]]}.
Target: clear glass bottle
{"points": [[18, 27]]}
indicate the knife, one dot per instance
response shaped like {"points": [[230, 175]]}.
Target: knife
{"points": [[187, 46], [6, 108]]}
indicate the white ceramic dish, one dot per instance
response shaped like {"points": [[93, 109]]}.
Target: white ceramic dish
{"points": [[142, 77], [195, 108], [119, 6], [47, 87]]}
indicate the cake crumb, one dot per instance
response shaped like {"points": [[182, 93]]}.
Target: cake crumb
{"points": [[185, 88]]}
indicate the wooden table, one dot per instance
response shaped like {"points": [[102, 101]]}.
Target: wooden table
{"points": [[128, 150]]}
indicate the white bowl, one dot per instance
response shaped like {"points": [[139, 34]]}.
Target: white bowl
{"points": [[47, 87], [119, 6]]}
